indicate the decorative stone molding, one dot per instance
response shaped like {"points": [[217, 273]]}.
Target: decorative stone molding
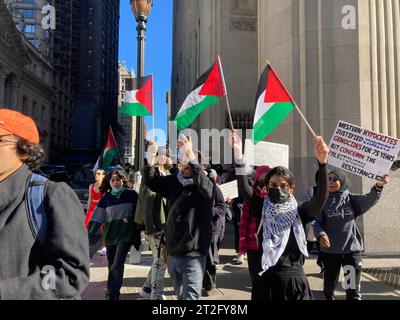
{"points": [[243, 25], [244, 8]]}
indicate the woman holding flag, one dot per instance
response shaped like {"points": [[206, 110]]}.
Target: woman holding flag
{"points": [[284, 245]]}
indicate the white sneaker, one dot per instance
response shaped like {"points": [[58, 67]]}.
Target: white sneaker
{"points": [[102, 252], [144, 294], [240, 259]]}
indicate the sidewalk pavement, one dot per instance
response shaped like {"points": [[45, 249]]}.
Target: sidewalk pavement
{"points": [[233, 281]]}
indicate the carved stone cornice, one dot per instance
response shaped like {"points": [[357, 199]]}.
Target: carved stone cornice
{"points": [[243, 25]]}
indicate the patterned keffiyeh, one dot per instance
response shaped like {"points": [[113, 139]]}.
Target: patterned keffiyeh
{"points": [[278, 220]]}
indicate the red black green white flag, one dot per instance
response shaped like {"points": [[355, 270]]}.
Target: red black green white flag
{"points": [[273, 104], [139, 100], [209, 89], [109, 153]]}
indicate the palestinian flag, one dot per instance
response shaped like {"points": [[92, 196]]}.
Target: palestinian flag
{"points": [[109, 154], [273, 104], [209, 89], [139, 100]]}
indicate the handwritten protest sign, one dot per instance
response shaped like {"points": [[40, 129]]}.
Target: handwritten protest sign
{"points": [[362, 152], [230, 190], [266, 153]]}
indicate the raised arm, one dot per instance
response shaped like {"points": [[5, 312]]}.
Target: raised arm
{"points": [[310, 209], [362, 203], [203, 183], [245, 190], [156, 183]]}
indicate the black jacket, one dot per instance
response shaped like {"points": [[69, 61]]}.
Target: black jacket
{"points": [[188, 231], [22, 259], [219, 212]]}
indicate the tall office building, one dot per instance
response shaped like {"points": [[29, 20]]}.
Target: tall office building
{"points": [[96, 100], [63, 42], [339, 59]]}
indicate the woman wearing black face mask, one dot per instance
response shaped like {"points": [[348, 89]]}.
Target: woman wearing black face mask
{"points": [[283, 238]]}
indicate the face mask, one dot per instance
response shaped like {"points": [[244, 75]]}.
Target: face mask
{"points": [[116, 191], [278, 196]]}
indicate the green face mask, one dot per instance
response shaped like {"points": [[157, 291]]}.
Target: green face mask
{"points": [[116, 192]]}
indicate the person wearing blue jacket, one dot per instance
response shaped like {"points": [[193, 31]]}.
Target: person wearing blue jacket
{"points": [[339, 237]]}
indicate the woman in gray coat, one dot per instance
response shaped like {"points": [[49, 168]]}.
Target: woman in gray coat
{"points": [[337, 232]]}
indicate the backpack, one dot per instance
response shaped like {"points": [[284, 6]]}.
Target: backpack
{"points": [[34, 194]]}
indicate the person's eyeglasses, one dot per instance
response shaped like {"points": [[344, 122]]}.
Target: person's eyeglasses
{"points": [[98, 174], [115, 180], [333, 179], [4, 140]]}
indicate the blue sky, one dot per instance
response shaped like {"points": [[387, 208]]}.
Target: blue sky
{"points": [[158, 58]]}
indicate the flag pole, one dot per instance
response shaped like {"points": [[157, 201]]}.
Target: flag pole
{"points": [[295, 104], [226, 91], [154, 107]]}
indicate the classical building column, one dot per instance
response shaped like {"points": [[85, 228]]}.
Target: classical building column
{"points": [[3, 76], [14, 93]]}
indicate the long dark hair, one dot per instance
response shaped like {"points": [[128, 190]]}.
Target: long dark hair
{"points": [[106, 186], [30, 154], [283, 172]]}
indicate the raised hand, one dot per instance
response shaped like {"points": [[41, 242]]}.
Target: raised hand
{"points": [[151, 155], [321, 150], [236, 143], [384, 181], [185, 146]]}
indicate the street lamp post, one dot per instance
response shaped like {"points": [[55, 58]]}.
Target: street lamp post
{"points": [[141, 9]]}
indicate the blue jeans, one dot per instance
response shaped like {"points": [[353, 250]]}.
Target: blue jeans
{"points": [[187, 274], [155, 279]]}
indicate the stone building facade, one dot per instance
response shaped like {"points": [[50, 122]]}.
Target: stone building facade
{"points": [[25, 76], [339, 59]]}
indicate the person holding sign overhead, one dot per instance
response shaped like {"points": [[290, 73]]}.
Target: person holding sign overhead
{"points": [[339, 237], [283, 239]]}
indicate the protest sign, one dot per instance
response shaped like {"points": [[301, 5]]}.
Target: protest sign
{"points": [[361, 151], [230, 190], [266, 154]]}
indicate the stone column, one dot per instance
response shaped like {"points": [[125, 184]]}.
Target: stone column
{"points": [[3, 76], [14, 93]]}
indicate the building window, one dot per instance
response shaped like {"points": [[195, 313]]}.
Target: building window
{"points": [[28, 13], [43, 114], [241, 120], [34, 111], [90, 52], [89, 83], [24, 105], [29, 28]]}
